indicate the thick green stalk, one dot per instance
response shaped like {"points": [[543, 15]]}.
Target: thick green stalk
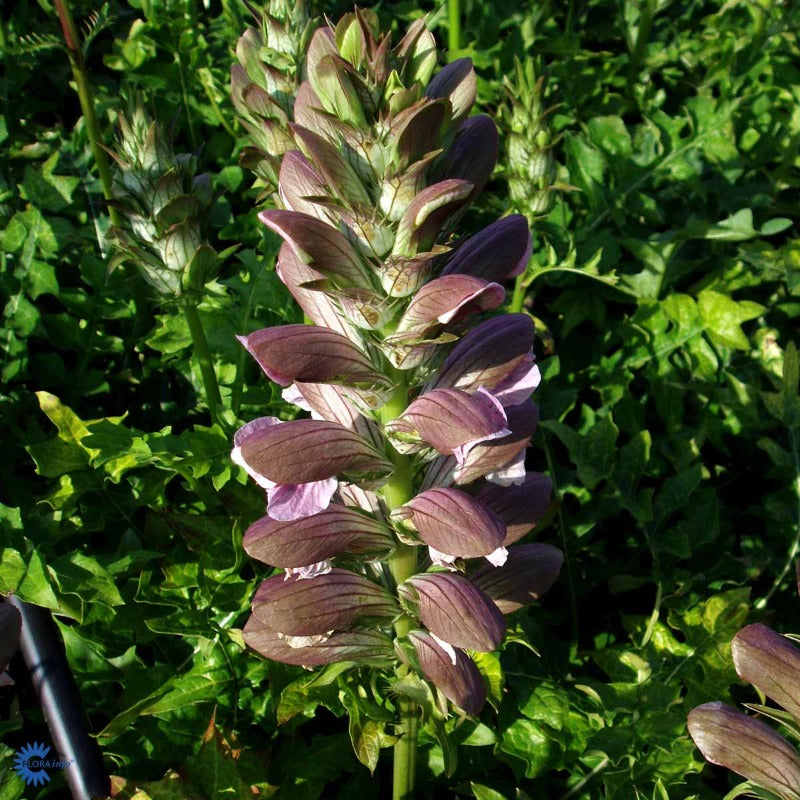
{"points": [[86, 97], [453, 28], [402, 565], [405, 753], [518, 298], [203, 354], [399, 488]]}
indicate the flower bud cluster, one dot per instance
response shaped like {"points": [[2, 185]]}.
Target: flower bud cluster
{"points": [[531, 162], [395, 508], [264, 81], [165, 205]]}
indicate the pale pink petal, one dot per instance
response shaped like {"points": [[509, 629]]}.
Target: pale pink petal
{"points": [[498, 456], [493, 407], [448, 648], [512, 474], [311, 571], [439, 558], [291, 394], [498, 557], [293, 501], [494, 411], [520, 384], [238, 440], [296, 642], [6, 679]]}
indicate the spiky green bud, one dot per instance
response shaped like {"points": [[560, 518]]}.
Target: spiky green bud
{"points": [[165, 205], [264, 81], [531, 162]]}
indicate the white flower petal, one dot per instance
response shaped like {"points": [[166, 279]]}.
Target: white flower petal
{"points": [[448, 648], [497, 557]]}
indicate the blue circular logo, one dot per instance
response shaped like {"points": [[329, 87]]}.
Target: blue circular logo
{"points": [[29, 764]]}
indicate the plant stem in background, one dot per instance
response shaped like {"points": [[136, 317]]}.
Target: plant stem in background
{"points": [[185, 99], [761, 603], [453, 28], [402, 565], [200, 344], [562, 528], [761, 11], [645, 25], [86, 96]]}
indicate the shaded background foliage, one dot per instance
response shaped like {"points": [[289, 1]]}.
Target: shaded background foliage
{"points": [[669, 405]]}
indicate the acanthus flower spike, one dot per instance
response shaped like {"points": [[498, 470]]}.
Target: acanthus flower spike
{"points": [[451, 670], [520, 507], [333, 601], [290, 353], [529, 571], [498, 252], [413, 461], [451, 421]]}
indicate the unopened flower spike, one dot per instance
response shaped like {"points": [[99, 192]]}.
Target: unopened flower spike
{"points": [[531, 140], [264, 82], [165, 205]]}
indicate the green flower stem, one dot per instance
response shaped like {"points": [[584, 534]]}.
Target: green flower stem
{"points": [[200, 344], [761, 603], [518, 298], [399, 488], [402, 564], [208, 86], [86, 97], [405, 753], [185, 97], [453, 28]]}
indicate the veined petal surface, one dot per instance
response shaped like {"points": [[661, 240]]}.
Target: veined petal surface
{"points": [[456, 611]]}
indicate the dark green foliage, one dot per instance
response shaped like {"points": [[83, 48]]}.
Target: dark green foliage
{"points": [[666, 289]]}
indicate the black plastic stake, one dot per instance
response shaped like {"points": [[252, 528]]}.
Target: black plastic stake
{"points": [[46, 659]]}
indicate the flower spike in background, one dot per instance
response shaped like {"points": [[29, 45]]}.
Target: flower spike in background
{"points": [[746, 745]]}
